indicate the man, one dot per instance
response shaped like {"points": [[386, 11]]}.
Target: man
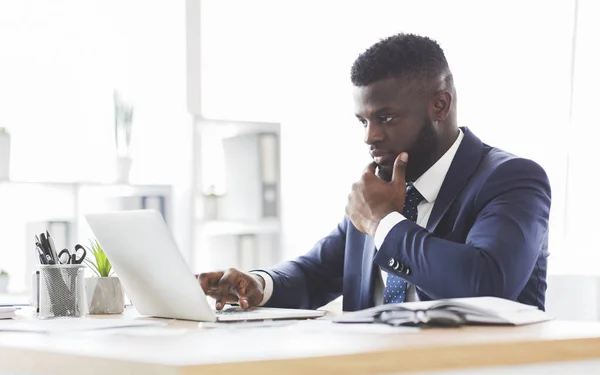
{"points": [[438, 214]]}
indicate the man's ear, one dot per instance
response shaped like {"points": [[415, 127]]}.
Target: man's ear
{"points": [[440, 105]]}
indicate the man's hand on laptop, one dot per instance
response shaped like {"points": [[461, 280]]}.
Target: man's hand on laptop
{"points": [[233, 286]]}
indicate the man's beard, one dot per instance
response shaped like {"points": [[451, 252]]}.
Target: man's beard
{"points": [[420, 155]]}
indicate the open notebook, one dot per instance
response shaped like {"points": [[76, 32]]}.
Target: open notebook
{"points": [[449, 312]]}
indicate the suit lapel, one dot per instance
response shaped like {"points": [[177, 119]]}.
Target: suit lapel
{"points": [[463, 165]]}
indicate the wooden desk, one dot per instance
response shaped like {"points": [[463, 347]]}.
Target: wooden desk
{"points": [[183, 348]]}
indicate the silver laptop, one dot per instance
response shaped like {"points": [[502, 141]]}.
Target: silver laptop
{"points": [[155, 275]]}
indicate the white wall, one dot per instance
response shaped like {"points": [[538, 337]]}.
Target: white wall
{"points": [[573, 296], [513, 82], [583, 137], [61, 61]]}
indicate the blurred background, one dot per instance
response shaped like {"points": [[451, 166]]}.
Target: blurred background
{"points": [[235, 119]]}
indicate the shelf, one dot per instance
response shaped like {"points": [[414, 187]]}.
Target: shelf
{"points": [[228, 129], [224, 228]]}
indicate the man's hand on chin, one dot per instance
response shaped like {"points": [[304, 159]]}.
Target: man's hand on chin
{"points": [[372, 198]]}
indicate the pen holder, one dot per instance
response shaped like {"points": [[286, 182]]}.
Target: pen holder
{"points": [[61, 291]]}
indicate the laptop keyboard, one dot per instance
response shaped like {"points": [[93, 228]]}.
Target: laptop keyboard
{"points": [[225, 312], [235, 310]]}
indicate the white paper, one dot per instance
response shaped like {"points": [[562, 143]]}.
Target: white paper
{"points": [[490, 310], [71, 324], [7, 312]]}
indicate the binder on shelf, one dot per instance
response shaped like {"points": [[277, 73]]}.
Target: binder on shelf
{"points": [[269, 176], [157, 202], [251, 177], [60, 230]]}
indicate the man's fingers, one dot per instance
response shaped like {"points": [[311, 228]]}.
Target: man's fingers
{"points": [[254, 297], [209, 282], [241, 291], [399, 172], [371, 168], [223, 295], [249, 292], [232, 286]]}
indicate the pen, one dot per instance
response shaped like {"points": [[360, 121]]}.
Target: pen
{"points": [[47, 248], [52, 247], [40, 254], [45, 258]]}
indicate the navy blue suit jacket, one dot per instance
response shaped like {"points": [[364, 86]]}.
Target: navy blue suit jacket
{"points": [[486, 236]]}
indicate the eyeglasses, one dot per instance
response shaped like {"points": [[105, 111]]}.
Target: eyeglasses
{"points": [[420, 318]]}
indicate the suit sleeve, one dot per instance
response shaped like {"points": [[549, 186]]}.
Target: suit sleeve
{"points": [[314, 279], [501, 247]]}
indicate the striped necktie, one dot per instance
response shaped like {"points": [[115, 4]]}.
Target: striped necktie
{"points": [[395, 286]]}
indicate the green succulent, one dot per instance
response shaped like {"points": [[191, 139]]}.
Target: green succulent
{"points": [[101, 265]]}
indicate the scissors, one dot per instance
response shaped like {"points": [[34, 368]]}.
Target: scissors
{"points": [[72, 258]]}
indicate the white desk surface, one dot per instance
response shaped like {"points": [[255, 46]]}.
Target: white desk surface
{"points": [[182, 347]]}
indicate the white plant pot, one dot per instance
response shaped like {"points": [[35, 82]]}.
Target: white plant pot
{"points": [[122, 169], [4, 156], [3, 284], [104, 295]]}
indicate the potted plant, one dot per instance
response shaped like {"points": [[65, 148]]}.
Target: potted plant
{"points": [[3, 281], [4, 153], [104, 292]]}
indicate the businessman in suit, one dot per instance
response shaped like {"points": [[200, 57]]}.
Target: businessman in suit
{"points": [[437, 214]]}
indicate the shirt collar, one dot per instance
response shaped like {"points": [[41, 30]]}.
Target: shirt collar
{"points": [[430, 182]]}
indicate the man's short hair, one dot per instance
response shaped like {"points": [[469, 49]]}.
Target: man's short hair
{"points": [[417, 58]]}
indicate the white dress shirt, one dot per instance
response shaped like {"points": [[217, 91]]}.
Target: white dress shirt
{"points": [[429, 185]]}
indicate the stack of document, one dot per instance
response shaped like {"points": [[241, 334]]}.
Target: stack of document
{"points": [[7, 312], [450, 312]]}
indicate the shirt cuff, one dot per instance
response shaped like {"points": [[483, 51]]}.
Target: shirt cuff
{"points": [[385, 226], [268, 290]]}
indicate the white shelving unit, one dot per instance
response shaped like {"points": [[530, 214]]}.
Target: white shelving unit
{"points": [[229, 231], [240, 225]]}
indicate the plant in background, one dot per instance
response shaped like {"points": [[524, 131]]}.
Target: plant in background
{"points": [[101, 265], [3, 281], [4, 153], [123, 124]]}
